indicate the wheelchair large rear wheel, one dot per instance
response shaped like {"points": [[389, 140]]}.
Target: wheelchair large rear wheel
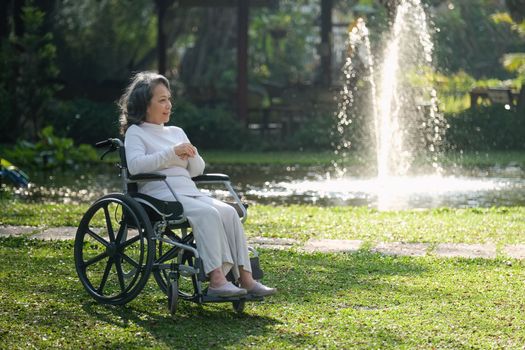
{"points": [[114, 250]]}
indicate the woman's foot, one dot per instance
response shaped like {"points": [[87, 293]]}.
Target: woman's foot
{"points": [[226, 290], [260, 290]]}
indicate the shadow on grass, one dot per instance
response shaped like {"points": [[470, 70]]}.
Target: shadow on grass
{"points": [[358, 300], [192, 327]]}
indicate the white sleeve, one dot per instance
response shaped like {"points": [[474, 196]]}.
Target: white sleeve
{"points": [[196, 164], [140, 162]]}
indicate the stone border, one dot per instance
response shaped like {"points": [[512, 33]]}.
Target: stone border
{"points": [[332, 245], [402, 248], [446, 250], [516, 251], [452, 250]]}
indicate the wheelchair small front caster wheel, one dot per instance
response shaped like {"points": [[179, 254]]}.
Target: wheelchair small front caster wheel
{"points": [[238, 306], [173, 296]]}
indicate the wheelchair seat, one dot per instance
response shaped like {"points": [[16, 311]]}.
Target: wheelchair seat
{"points": [[158, 209]]}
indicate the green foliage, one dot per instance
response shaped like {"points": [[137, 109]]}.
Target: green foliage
{"points": [[469, 40], [515, 62], [84, 121], [50, 151], [453, 89], [26, 87], [209, 128], [103, 40], [505, 17], [8, 121], [282, 44], [314, 134], [486, 128]]}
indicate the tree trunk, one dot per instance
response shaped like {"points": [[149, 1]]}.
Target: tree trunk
{"points": [[326, 42], [161, 6], [205, 66], [4, 19], [521, 100], [17, 17], [242, 60]]}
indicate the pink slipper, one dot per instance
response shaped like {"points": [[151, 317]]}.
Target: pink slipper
{"points": [[226, 290], [261, 290]]}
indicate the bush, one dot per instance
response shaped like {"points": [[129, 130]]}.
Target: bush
{"points": [[27, 72], [209, 128], [50, 151], [486, 128], [88, 122], [84, 121], [315, 134]]}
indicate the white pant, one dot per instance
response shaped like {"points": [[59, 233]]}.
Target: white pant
{"points": [[219, 234]]}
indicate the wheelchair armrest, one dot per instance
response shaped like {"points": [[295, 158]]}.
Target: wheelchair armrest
{"points": [[147, 177], [211, 178]]}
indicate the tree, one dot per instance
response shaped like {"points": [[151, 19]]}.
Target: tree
{"points": [[208, 67], [26, 80], [100, 42]]}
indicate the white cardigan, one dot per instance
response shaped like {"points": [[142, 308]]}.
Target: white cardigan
{"points": [[149, 148]]}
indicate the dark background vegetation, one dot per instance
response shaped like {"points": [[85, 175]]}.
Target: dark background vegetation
{"points": [[64, 63]]}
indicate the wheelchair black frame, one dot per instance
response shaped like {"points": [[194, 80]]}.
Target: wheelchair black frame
{"points": [[157, 233]]}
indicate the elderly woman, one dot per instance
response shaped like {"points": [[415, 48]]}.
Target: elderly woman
{"points": [[153, 147]]}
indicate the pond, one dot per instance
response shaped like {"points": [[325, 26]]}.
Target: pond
{"points": [[494, 186]]}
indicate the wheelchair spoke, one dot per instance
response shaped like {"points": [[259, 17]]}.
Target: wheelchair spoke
{"points": [[131, 261], [172, 235], [109, 226], [170, 254], [122, 231], [129, 242], [98, 238], [120, 275], [95, 259], [188, 239], [105, 276]]}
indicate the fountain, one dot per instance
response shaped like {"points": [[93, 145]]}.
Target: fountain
{"points": [[388, 112], [406, 123]]}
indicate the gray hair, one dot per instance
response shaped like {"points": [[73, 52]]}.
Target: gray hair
{"points": [[133, 104]]}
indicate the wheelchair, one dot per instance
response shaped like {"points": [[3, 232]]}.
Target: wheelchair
{"points": [[125, 237]]}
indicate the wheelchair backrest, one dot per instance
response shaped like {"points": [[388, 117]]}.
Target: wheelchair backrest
{"points": [[115, 144]]}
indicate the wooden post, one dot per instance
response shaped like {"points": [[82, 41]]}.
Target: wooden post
{"points": [[521, 100], [242, 61], [326, 42], [161, 6], [4, 19]]}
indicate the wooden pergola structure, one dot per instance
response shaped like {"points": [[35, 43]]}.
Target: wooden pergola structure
{"points": [[243, 11]]}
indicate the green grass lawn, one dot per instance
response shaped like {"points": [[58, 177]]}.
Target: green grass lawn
{"points": [[504, 225], [336, 301]]}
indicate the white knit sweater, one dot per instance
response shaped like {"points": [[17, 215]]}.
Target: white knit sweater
{"points": [[149, 148]]}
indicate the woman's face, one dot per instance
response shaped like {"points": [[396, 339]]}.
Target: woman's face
{"points": [[159, 108]]}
